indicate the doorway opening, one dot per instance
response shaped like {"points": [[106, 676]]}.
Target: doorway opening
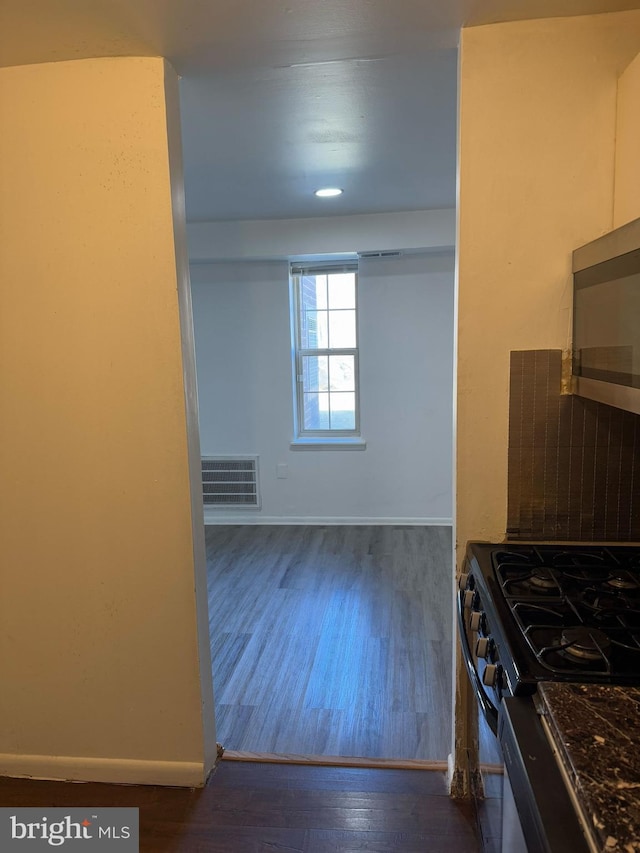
{"points": [[331, 599]]}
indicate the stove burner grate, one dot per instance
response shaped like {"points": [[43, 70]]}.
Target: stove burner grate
{"points": [[558, 611], [586, 574], [581, 559], [584, 644], [527, 581], [521, 558]]}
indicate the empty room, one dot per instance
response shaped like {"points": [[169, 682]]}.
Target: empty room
{"points": [[328, 511]]}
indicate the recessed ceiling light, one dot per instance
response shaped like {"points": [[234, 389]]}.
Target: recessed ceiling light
{"points": [[328, 192]]}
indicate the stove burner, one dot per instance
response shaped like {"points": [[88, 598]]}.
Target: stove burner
{"points": [[542, 578], [623, 580], [584, 644]]}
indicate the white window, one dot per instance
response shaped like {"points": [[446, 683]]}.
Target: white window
{"points": [[325, 351]]}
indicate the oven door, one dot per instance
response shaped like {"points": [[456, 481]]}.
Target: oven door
{"points": [[547, 814]]}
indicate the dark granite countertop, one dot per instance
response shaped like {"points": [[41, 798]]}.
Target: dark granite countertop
{"points": [[597, 731]]}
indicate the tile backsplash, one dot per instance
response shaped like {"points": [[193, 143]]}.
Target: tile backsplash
{"points": [[574, 464]]}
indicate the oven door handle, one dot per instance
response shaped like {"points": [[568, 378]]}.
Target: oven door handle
{"points": [[489, 710]]}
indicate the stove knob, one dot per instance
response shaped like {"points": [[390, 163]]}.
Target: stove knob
{"points": [[463, 580], [490, 675], [483, 647], [476, 619], [469, 599]]}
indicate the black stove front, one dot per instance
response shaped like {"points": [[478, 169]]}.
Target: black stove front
{"points": [[534, 612], [530, 613]]}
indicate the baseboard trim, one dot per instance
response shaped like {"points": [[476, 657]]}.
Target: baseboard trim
{"points": [[213, 517], [180, 774], [336, 761]]}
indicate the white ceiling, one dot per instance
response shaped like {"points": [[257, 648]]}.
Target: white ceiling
{"points": [[282, 96]]}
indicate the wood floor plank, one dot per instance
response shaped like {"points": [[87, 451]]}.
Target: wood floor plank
{"points": [[234, 720], [300, 812], [338, 638], [248, 807], [331, 841], [232, 839]]}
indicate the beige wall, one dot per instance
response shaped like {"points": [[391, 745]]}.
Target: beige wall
{"points": [[536, 166], [537, 117], [627, 177], [103, 670]]}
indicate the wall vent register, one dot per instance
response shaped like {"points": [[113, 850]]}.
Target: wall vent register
{"points": [[230, 481]]}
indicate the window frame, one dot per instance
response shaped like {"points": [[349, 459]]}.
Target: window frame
{"points": [[329, 437]]}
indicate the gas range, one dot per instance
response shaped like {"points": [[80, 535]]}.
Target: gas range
{"points": [[530, 613], [549, 612], [579, 610]]}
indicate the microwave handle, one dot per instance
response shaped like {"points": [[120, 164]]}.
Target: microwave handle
{"points": [[489, 710]]}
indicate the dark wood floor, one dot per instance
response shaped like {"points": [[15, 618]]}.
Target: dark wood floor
{"points": [[332, 641], [247, 808]]}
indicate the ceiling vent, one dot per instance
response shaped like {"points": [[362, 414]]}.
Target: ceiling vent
{"points": [[230, 481], [379, 254]]}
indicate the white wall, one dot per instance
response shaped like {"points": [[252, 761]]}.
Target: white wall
{"points": [[241, 316], [105, 671]]}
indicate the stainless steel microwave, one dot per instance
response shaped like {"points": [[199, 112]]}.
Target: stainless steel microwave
{"points": [[606, 318]]}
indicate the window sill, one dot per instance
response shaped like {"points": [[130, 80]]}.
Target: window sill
{"points": [[341, 443]]}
